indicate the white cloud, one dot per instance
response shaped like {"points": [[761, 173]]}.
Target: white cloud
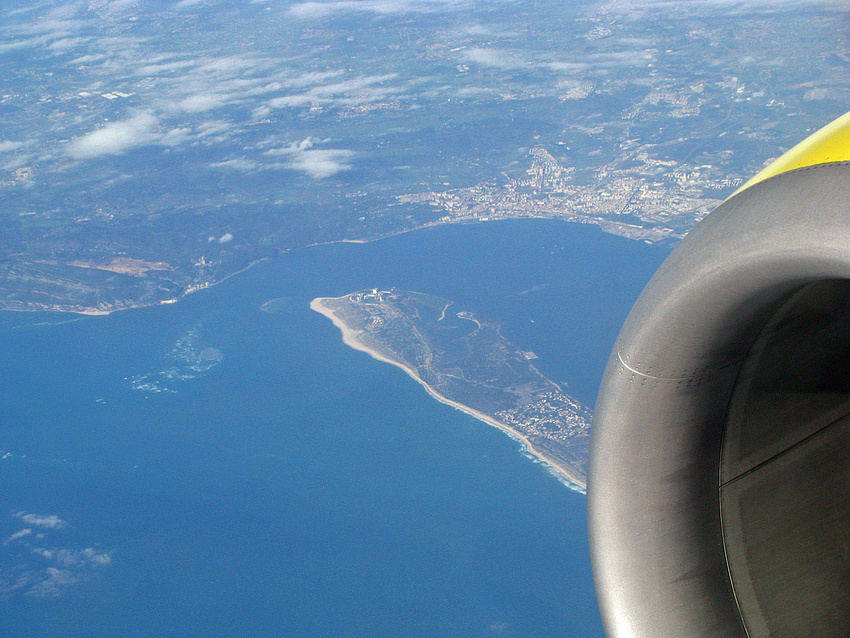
{"points": [[23, 44], [175, 136], [473, 91], [292, 148], [568, 67], [226, 237], [214, 127], [313, 10], [20, 534], [115, 137], [86, 59], [53, 584], [6, 146], [51, 522], [355, 84], [20, 11], [492, 57], [312, 77], [729, 7], [63, 12], [158, 68], [357, 90], [620, 58], [45, 571], [66, 44], [265, 88], [317, 163], [292, 100], [207, 83], [57, 27], [477, 29], [239, 164], [18, 161], [202, 102], [101, 559], [228, 65], [260, 112], [120, 5]]}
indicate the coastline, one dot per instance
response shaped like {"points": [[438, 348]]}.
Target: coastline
{"points": [[610, 226], [351, 339]]}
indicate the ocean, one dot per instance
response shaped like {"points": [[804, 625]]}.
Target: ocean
{"points": [[208, 468]]}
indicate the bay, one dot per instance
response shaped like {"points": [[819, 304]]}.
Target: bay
{"points": [[212, 469]]}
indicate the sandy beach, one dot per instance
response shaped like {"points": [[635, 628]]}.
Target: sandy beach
{"points": [[352, 339]]}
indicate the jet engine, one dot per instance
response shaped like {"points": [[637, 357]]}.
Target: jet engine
{"points": [[719, 478]]}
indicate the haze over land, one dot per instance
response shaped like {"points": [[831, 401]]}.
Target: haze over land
{"points": [[152, 149]]}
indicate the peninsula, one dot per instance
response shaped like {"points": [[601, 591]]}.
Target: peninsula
{"points": [[465, 362]]}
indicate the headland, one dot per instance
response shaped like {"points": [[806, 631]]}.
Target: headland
{"points": [[463, 361]]}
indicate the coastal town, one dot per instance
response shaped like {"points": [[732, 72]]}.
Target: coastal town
{"points": [[556, 424], [623, 201]]}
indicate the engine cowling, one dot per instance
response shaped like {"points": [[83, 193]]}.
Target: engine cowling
{"points": [[719, 478]]}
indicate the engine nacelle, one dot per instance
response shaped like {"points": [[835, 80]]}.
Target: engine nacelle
{"points": [[719, 479]]}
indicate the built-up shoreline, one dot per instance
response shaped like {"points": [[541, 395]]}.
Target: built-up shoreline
{"points": [[351, 338]]}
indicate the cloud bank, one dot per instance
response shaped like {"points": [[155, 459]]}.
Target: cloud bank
{"points": [[40, 566], [315, 10], [492, 57], [51, 522], [317, 163], [115, 137]]}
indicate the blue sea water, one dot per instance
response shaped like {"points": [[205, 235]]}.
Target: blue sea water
{"points": [[210, 469]]}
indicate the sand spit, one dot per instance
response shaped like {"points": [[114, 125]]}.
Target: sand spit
{"points": [[352, 339]]}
